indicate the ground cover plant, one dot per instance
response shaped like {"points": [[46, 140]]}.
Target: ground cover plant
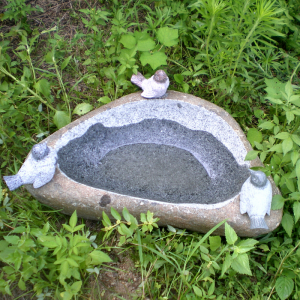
{"points": [[59, 60]]}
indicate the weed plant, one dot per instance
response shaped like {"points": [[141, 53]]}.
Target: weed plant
{"points": [[241, 55]]}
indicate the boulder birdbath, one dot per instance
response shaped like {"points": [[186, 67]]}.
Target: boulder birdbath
{"points": [[180, 157]]}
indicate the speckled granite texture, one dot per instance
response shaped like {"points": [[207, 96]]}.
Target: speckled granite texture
{"points": [[188, 113], [160, 160]]}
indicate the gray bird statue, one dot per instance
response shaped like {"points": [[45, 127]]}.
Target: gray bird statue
{"points": [[38, 169], [256, 198], [154, 87]]}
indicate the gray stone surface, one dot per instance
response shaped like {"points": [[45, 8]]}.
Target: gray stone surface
{"points": [[191, 113], [205, 172]]}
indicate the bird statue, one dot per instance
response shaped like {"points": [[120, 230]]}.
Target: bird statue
{"points": [[38, 169], [256, 198], [154, 87]]}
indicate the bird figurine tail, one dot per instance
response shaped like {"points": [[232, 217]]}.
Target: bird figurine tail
{"points": [[137, 79], [258, 222], [13, 182]]}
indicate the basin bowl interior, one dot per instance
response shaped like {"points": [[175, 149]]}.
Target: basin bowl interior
{"points": [[155, 159]]}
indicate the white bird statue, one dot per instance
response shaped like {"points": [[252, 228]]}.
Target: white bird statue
{"points": [[256, 198], [154, 87], [38, 169]]}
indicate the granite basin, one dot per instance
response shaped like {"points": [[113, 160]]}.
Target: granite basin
{"points": [[180, 157]]}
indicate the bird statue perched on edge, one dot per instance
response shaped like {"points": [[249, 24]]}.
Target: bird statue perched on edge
{"points": [[154, 87], [38, 169], [256, 198]]}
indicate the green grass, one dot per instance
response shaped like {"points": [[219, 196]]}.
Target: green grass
{"points": [[240, 55]]}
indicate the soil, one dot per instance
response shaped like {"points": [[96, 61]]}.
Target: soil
{"points": [[121, 282]]}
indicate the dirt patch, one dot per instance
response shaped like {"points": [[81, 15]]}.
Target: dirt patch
{"points": [[120, 282]]}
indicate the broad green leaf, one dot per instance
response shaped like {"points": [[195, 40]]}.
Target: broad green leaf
{"points": [[61, 119], [211, 289], [284, 287], [296, 209], [3, 245], [68, 227], [79, 227], [155, 60], [276, 148], [263, 156], [66, 62], [22, 285], [104, 99], [246, 245], [252, 154], [73, 219], [72, 262], [145, 45], [295, 100], [296, 139], [289, 116], [230, 234], [214, 242], [87, 62], [12, 239], [241, 264], [197, 291], [290, 184], [64, 268], [282, 135], [127, 231], [277, 202], [167, 36], [287, 145], [128, 41], [179, 78], [143, 218], [43, 86], [226, 264], [287, 223], [297, 168], [115, 214], [19, 229], [295, 195], [99, 257], [149, 216], [126, 214], [76, 286], [266, 125], [253, 135], [274, 87], [204, 249], [82, 109], [294, 157], [171, 229], [288, 89], [274, 100], [49, 57]]}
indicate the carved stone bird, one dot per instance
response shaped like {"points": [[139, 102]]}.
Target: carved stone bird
{"points": [[256, 198], [38, 169], [154, 87]]}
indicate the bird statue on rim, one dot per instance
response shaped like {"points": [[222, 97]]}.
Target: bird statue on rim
{"points": [[256, 198], [154, 87], [38, 169]]}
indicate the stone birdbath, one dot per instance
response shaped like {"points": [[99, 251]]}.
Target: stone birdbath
{"points": [[180, 157]]}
